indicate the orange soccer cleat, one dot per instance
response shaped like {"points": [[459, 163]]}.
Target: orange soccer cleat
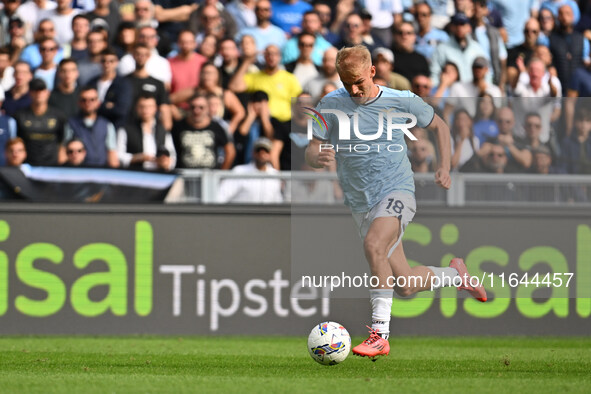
{"points": [[373, 346], [477, 292]]}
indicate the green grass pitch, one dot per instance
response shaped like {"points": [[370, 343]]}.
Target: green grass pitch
{"points": [[282, 364]]}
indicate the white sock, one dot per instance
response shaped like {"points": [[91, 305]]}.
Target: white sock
{"points": [[381, 310], [446, 277]]}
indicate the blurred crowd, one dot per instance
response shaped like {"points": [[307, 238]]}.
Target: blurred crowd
{"points": [[166, 84]]}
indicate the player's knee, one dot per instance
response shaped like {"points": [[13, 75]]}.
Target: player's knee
{"points": [[403, 291], [373, 247]]}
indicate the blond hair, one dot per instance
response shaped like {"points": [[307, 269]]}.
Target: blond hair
{"points": [[352, 58]]}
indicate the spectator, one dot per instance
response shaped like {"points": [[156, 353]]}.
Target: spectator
{"points": [[97, 133], [140, 141], [142, 82], [212, 19], [485, 127], [421, 86], [75, 153], [78, 44], [7, 13], [172, 17], [461, 49], [15, 153], [328, 73], [303, 67], [230, 60], [310, 24], [17, 43], [288, 15], [279, 85], [31, 13], [576, 148], [542, 161], [62, 17], [428, 36], [7, 127], [383, 60], [156, 66], [514, 15], [90, 67], [533, 129], [547, 22], [125, 39], [198, 140], [104, 12], [18, 97], [523, 52], [242, 11], [538, 92], [32, 55], [408, 61], [209, 49], [554, 7], [114, 92], [464, 94], [495, 160], [570, 49], [47, 70], [145, 14], [257, 123], [491, 42], [6, 70], [384, 15], [210, 83], [325, 14], [185, 68], [42, 128], [517, 155], [264, 33], [65, 94], [253, 191], [422, 156], [353, 33], [449, 75], [465, 145]]}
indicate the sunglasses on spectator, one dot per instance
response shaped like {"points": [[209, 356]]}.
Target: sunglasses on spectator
{"points": [[306, 44], [88, 99], [421, 86], [48, 49], [536, 125], [70, 151], [493, 154], [405, 33], [262, 9]]}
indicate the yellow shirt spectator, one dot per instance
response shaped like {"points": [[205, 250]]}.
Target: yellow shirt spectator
{"points": [[281, 87]]}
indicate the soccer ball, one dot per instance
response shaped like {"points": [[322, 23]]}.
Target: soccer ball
{"points": [[329, 343]]}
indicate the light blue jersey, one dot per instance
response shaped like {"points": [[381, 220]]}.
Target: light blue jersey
{"points": [[370, 166]]}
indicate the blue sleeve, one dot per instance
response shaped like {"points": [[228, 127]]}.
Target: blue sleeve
{"points": [[586, 50], [423, 111], [11, 127]]}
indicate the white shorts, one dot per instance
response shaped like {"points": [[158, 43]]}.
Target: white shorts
{"points": [[401, 205]]}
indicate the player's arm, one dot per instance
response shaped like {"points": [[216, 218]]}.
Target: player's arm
{"points": [[442, 133], [318, 154]]}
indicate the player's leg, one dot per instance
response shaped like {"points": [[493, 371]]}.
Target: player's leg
{"points": [[411, 280], [377, 240]]}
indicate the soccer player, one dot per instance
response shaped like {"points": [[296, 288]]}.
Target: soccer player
{"points": [[378, 184]]}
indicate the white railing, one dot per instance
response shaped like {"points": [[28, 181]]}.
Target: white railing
{"points": [[201, 186]]}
